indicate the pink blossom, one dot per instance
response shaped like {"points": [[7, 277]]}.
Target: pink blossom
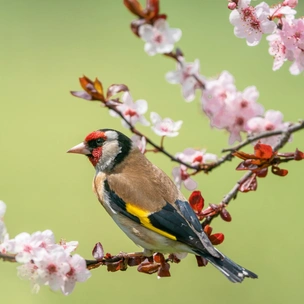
{"points": [[133, 112], [196, 157], [159, 37], [180, 176], [78, 273], [278, 11], [232, 5], [251, 22], [69, 247], [277, 49], [216, 93], [291, 3], [28, 271], [52, 268], [239, 110], [229, 109], [140, 142], [273, 120], [166, 126], [25, 246], [184, 76], [292, 35]]}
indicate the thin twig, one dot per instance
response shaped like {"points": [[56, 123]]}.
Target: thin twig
{"points": [[291, 129], [8, 257]]}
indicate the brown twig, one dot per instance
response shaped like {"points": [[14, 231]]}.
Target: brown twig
{"points": [[227, 157], [6, 257], [250, 139]]}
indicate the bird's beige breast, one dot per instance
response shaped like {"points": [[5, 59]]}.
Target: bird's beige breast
{"points": [[98, 186]]}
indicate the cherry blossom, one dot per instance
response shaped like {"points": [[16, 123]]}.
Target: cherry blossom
{"points": [[278, 11], [238, 111], [52, 268], [273, 120], [166, 126], [180, 176], [78, 273], [159, 37], [251, 22], [132, 111], [27, 246], [291, 3], [69, 247], [196, 157], [28, 271], [217, 91], [277, 49], [43, 261], [184, 76], [140, 142], [292, 35], [227, 108]]}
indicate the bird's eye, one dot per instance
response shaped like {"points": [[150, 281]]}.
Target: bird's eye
{"points": [[99, 141], [94, 143]]}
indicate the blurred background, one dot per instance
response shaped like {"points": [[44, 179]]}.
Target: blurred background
{"points": [[46, 46]]}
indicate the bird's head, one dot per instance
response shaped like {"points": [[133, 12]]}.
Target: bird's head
{"points": [[104, 148]]}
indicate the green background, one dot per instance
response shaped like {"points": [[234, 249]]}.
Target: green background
{"points": [[45, 47]]}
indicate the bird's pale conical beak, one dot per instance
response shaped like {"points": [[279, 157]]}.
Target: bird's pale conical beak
{"points": [[80, 149]]}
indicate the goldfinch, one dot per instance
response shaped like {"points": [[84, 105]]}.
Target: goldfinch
{"points": [[145, 203]]}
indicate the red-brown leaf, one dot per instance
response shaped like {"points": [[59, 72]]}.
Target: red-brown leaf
{"points": [[216, 238], [262, 173], [147, 267], [201, 262], [250, 184], [225, 215], [98, 252], [159, 258], [263, 151], [163, 271], [208, 229], [115, 89], [134, 7], [277, 171], [115, 266], [92, 88], [299, 155], [243, 155], [196, 201], [153, 6], [134, 261]]}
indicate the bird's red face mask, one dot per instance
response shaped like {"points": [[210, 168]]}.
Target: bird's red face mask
{"points": [[91, 147]]}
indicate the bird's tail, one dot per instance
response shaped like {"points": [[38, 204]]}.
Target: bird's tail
{"points": [[234, 272]]}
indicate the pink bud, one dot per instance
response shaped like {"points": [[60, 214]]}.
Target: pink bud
{"points": [[290, 3], [231, 5]]}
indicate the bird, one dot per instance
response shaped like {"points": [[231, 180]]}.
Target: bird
{"points": [[146, 204]]}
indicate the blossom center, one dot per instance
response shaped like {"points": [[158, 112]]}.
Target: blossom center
{"points": [[244, 104], [130, 112], [239, 121], [158, 38], [71, 272], [198, 159], [27, 248], [184, 175], [51, 268], [269, 127]]}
